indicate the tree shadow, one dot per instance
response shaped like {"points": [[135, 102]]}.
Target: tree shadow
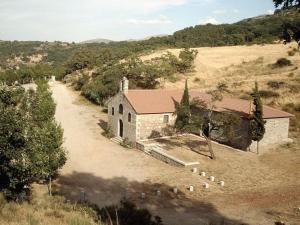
{"points": [[198, 146], [172, 208], [103, 124]]}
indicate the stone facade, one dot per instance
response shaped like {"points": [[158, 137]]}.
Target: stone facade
{"points": [[115, 118], [152, 125], [126, 123], [141, 127], [277, 131]]}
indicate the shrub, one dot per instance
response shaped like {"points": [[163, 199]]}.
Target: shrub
{"points": [[268, 94], [223, 87], [292, 107], [282, 62], [294, 88], [275, 84], [292, 52], [197, 79]]}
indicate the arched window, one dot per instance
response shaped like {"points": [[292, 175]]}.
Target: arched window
{"points": [[129, 117], [112, 111], [121, 109]]}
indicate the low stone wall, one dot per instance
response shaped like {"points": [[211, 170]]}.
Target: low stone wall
{"points": [[158, 153]]}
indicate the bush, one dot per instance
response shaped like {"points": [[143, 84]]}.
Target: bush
{"points": [[268, 94], [294, 88], [127, 214], [282, 62], [291, 53], [275, 84], [292, 107]]}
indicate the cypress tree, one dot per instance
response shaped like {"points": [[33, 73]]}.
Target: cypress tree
{"points": [[257, 123], [183, 110]]}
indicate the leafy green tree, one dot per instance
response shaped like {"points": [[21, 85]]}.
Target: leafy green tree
{"points": [[285, 4], [183, 110], [187, 57], [16, 167], [42, 105], [257, 123], [30, 145]]}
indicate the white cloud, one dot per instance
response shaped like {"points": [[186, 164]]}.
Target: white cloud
{"points": [[236, 11], [270, 11], [208, 20], [220, 11], [161, 20]]}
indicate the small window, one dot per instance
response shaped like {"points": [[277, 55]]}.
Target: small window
{"points": [[112, 111], [129, 117], [166, 118], [121, 109]]}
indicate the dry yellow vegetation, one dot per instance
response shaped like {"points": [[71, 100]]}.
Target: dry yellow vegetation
{"points": [[238, 67], [45, 210]]}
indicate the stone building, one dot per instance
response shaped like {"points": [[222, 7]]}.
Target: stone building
{"points": [[142, 114]]}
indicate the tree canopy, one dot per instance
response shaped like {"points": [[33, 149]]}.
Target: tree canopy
{"points": [[30, 140], [285, 4]]}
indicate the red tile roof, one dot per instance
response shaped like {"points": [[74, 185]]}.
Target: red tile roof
{"points": [[162, 101]]}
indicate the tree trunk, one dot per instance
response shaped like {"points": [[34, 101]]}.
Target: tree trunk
{"points": [[50, 186], [257, 149], [210, 147]]}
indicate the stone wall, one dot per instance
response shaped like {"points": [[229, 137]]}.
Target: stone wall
{"points": [[277, 131], [129, 128], [151, 125]]}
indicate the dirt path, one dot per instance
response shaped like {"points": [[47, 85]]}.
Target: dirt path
{"points": [[106, 172]]}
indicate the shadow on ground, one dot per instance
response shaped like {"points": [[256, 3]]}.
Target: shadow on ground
{"points": [[197, 146], [173, 208]]}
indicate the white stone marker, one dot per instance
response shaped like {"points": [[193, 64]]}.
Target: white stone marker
{"points": [[194, 170], [143, 195], [203, 174], [175, 190], [191, 188], [206, 185], [158, 193], [212, 178], [222, 183]]}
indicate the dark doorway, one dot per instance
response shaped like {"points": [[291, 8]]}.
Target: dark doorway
{"points": [[121, 128]]}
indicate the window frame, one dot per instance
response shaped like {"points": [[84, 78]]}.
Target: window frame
{"points": [[129, 117], [121, 109]]}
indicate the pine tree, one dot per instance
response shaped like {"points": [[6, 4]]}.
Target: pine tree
{"points": [[257, 123], [183, 110]]}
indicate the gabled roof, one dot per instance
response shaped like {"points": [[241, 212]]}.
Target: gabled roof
{"points": [[163, 101]]}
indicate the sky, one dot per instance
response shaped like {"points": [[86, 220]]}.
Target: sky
{"points": [[80, 20]]}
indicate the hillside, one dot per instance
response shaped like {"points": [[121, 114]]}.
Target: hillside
{"points": [[97, 40]]}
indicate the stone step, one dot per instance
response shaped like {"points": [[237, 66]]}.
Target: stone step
{"points": [[117, 140]]}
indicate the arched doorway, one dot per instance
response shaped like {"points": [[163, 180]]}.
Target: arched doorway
{"points": [[120, 128]]}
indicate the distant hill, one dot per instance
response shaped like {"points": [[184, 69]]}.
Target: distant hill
{"points": [[98, 40]]}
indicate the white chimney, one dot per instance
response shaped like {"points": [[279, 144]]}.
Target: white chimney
{"points": [[124, 85]]}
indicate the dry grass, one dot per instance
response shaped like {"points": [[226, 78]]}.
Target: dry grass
{"points": [[45, 210]]}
